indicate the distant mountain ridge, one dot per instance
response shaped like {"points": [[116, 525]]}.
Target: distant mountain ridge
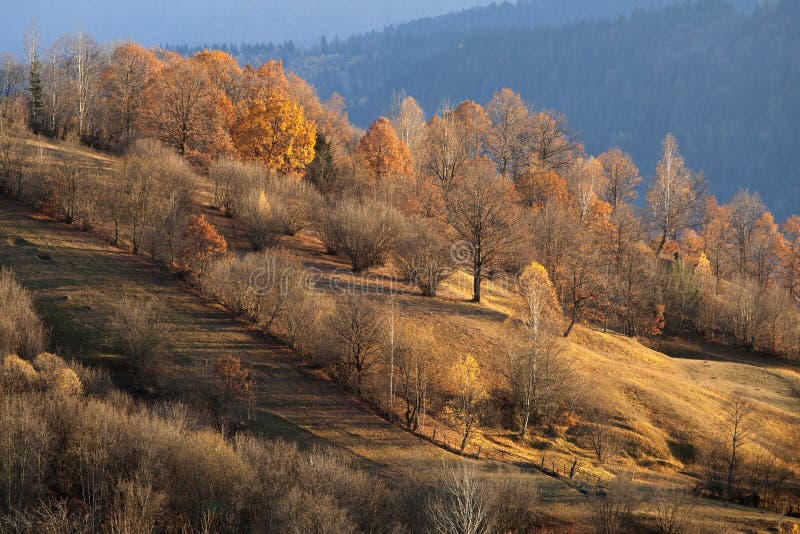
{"points": [[721, 76]]}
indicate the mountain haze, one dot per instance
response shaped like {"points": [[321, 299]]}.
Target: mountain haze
{"points": [[722, 78], [154, 22]]}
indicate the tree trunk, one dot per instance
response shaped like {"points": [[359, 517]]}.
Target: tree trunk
{"points": [[476, 282]]}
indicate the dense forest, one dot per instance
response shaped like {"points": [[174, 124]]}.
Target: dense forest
{"points": [[622, 81]]}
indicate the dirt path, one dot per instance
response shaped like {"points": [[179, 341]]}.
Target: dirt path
{"points": [[77, 280]]}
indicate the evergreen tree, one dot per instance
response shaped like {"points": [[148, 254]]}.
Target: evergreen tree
{"points": [[35, 94]]}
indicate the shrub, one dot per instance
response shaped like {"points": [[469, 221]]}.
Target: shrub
{"points": [[300, 201], [141, 332], [13, 155], [21, 331], [265, 220], [423, 256], [366, 232], [462, 504], [613, 513], [17, 374], [201, 242], [54, 375], [157, 194], [231, 179]]}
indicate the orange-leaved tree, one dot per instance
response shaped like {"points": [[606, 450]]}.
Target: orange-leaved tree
{"points": [[186, 110], [201, 242], [790, 255], [382, 153], [124, 82], [271, 128], [224, 71]]}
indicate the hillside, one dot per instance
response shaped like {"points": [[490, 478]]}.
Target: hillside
{"points": [[720, 79], [666, 407]]}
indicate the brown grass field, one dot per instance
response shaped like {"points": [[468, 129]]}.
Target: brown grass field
{"points": [[666, 397]]}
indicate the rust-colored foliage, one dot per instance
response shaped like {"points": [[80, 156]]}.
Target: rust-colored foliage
{"points": [[235, 380], [382, 153], [790, 255], [224, 71], [201, 242], [186, 110], [124, 82]]}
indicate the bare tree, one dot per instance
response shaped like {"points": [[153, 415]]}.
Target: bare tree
{"points": [[613, 513], [622, 177], [12, 77], [461, 505], [738, 431], [675, 196], [13, 152], [481, 211], [86, 69], [422, 255], [360, 331], [745, 211], [602, 438]]}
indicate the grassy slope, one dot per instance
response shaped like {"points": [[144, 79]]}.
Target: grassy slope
{"points": [[667, 404]]}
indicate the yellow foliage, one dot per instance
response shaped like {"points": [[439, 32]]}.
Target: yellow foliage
{"points": [[273, 129], [16, 374]]}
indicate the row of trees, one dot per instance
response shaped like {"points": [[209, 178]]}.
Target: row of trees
{"points": [[511, 182], [204, 106]]}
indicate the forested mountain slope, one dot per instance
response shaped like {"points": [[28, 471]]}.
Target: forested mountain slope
{"points": [[722, 79]]}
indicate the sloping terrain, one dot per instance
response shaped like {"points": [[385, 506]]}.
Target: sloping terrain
{"points": [[77, 281], [667, 400]]}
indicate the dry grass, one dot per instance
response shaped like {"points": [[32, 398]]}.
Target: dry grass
{"points": [[664, 406]]}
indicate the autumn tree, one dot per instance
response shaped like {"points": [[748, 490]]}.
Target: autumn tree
{"points": [[382, 153], [535, 371], [509, 117], [125, 81], [272, 129], [467, 407], [745, 210], [408, 121], [675, 196], [445, 154], [480, 210], [765, 249], [201, 242], [621, 177], [790, 256], [717, 235], [185, 109], [537, 185], [225, 73]]}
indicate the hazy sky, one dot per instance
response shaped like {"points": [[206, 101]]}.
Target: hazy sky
{"points": [[154, 22]]}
